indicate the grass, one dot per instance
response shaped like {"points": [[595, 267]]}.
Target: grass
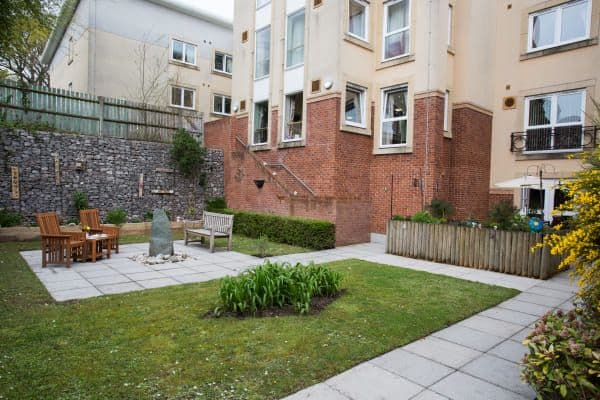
{"points": [[156, 343]]}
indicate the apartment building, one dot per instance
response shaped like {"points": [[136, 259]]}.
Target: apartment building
{"points": [[160, 52], [354, 111]]}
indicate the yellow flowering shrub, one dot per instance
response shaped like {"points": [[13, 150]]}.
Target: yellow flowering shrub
{"points": [[580, 243]]}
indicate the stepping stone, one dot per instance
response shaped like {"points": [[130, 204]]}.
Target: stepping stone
{"points": [[510, 350], [491, 326], [465, 387], [450, 354], [512, 316], [412, 367], [73, 294], [318, 392], [469, 337]]}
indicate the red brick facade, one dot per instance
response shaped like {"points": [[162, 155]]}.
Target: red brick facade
{"points": [[350, 185]]}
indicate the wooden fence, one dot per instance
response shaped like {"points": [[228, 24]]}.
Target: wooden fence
{"points": [[84, 113], [489, 249]]}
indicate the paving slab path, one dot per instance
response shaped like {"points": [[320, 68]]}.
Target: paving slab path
{"points": [[477, 358]]}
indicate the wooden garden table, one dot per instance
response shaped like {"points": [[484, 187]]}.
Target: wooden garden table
{"points": [[97, 246]]}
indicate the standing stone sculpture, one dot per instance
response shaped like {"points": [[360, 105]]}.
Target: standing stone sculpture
{"points": [[161, 239]]}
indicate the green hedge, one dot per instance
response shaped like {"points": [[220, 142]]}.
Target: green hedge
{"points": [[309, 233]]}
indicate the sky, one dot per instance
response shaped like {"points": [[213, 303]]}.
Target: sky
{"points": [[221, 8]]}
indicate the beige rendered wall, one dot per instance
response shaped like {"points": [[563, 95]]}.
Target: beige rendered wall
{"points": [[514, 76]]}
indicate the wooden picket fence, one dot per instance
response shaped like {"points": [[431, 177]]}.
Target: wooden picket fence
{"points": [[87, 114], [482, 248]]}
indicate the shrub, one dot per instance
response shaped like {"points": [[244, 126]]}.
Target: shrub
{"points": [[216, 205], [425, 217], [117, 216], [563, 360], [309, 233], [8, 218], [505, 216], [278, 285], [80, 201], [399, 217], [441, 208], [262, 246], [148, 215], [187, 153]]}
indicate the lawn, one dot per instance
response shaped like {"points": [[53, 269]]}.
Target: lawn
{"points": [[156, 343]]}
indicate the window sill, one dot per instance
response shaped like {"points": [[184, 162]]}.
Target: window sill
{"points": [[220, 115], [182, 107], [549, 155], [559, 49], [296, 143], [396, 61], [451, 51], [448, 134], [185, 65], [392, 150], [355, 129], [259, 147], [221, 73], [358, 42]]}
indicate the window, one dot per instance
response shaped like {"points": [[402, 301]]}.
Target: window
{"points": [[450, 19], [70, 51], [554, 121], [223, 63], [182, 97], [183, 52], [295, 39], [396, 33], [358, 19], [446, 110], [292, 129], [261, 122], [221, 104], [395, 117], [355, 106], [263, 52], [261, 3], [566, 23]]}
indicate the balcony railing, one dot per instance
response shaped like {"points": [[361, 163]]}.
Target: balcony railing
{"points": [[557, 139]]}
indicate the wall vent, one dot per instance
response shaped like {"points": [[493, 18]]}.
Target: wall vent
{"points": [[244, 36], [317, 3], [243, 105], [316, 86], [509, 103]]}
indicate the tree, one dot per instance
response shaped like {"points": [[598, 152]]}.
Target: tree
{"points": [[27, 24], [152, 73]]}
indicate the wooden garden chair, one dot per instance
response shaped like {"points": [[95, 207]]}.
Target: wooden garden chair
{"points": [[91, 218], [59, 247]]}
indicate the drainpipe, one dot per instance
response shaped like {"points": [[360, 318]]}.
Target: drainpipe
{"points": [[426, 159]]}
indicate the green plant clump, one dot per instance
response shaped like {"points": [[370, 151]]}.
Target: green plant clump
{"points": [[278, 285], [148, 215], [216, 205], [441, 209], [505, 216], [187, 154], [116, 216], [80, 201], [309, 233], [564, 358], [8, 218], [262, 246], [425, 217]]}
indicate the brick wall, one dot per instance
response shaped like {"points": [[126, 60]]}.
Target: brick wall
{"points": [[499, 197]]}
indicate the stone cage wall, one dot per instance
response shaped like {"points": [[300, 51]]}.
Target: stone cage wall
{"points": [[41, 171]]}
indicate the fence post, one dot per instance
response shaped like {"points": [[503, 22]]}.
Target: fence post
{"points": [[100, 115]]}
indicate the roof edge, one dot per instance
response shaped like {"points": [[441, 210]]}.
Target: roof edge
{"points": [[194, 13], [62, 23]]}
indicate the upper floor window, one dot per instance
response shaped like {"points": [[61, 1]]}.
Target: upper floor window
{"points": [[566, 23], [394, 121], [183, 52], [554, 121], [396, 32], [261, 3], [355, 106], [263, 52], [260, 132], [292, 129], [358, 19], [223, 63], [221, 104], [295, 39], [183, 97], [70, 51]]}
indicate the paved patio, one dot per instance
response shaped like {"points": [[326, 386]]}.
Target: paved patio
{"points": [[477, 358]]}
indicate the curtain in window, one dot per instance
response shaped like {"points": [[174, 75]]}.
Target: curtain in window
{"points": [[190, 54], [176, 96], [574, 21], [293, 116], [543, 29], [177, 50], [219, 62], [396, 39], [263, 50], [540, 111], [295, 39], [261, 122], [228, 64], [357, 22], [395, 118], [188, 98]]}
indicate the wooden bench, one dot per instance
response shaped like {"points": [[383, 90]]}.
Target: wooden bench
{"points": [[211, 226], [59, 247]]}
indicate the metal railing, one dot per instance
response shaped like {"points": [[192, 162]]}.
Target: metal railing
{"points": [[560, 138]]}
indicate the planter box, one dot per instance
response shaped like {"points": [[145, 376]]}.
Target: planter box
{"points": [[489, 249], [24, 233]]}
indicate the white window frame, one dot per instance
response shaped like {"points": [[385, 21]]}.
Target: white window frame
{"points": [[386, 6], [553, 115], [450, 20], [256, 77], [383, 119], [363, 96], [183, 89], [447, 111], [225, 57], [287, 22], [558, 25], [223, 98], [366, 6], [254, 122], [185, 45], [285, 122], [264, 4]]}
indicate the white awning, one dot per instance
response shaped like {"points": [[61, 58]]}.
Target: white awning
{"points": [[529, 181]]}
